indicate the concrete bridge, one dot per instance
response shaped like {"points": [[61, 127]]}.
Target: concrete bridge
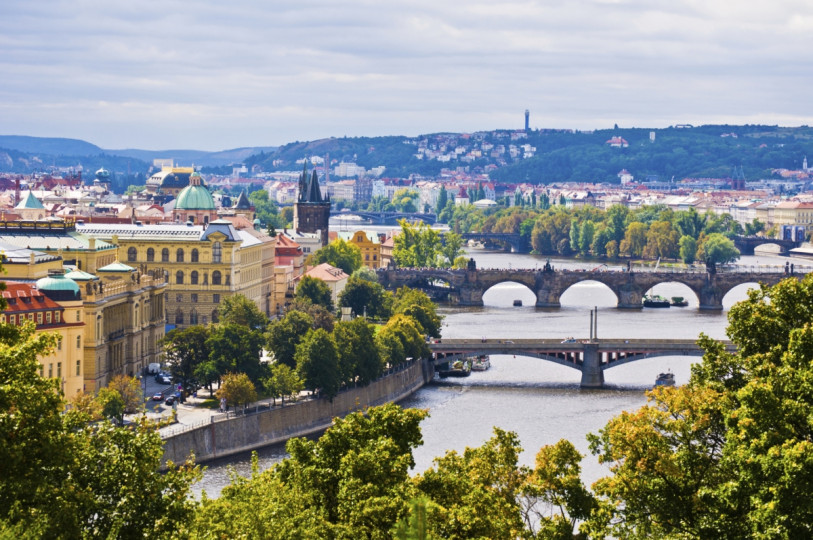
{"points": [[746, 244], [388, 218], [466, 287], [516, 242], [591, 357]]}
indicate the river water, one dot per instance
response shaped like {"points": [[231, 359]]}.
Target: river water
{"points": [[539, 400]]}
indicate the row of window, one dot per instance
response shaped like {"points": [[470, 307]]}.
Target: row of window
{"points": [[194, 318], [194, 298], [194, 278], [47, 317], [59, 369], [217, 254]]}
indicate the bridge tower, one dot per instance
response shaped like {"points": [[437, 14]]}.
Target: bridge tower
{"points": [[311, 211]]}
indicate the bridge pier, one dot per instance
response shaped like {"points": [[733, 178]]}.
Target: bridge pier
{"points": [[592, 374]]}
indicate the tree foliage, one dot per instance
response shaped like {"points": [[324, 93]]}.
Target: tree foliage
{"points": [[315, 291], [340, 254]]}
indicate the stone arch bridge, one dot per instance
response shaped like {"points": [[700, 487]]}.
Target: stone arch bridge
{"points": [[466, 287], [591, 357]]}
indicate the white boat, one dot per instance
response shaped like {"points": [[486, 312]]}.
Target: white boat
{"points": [[481, 363]]}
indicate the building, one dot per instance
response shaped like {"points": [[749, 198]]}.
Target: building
{"points": [[311, 211], [369, 245], [204, 264], [194, 203], [335, 278], [30, 208], [167, 183], [54, 305]]}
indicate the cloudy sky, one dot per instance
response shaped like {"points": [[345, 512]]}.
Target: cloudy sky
{"points": [[215, 74]]}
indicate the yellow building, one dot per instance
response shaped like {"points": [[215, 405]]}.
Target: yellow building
{"points": [[54, 304], [27, 264], [204, 265], [369, 245]]}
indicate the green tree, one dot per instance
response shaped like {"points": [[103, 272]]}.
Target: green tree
{"points": [[129, 388], [688, 249], [237, 389], [185, 350], [283, 382], [315, 291], [416, 246], [401, 338], [586, 233], [754, 228], [238, 309], [717, 249], [452, 247], [419, 306], [443, 199], [236, 349], [366, 273], [634, 239], [112, 404], [359, 358], [365, 297], [340, 254], [317, 363], [285, 334]]}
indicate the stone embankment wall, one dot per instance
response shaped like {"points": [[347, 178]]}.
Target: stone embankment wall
{"points": [[248, 432]]}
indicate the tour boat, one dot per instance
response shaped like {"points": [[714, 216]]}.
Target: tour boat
{"points": [[459, 368], [665, 379], [518, 303], [679, 301], [481, 363], [655, 300]]}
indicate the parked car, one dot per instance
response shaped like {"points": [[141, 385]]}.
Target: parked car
{"points": [[170, 400], [158, 396]]}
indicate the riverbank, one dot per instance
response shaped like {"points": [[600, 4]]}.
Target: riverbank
{"points": [[228, 435]]}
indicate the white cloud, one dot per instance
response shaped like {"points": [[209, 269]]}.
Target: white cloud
{"points": [[213, 75]]}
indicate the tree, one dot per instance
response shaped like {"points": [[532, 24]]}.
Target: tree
{"points": [[586, 234], [237, 389], [420, 307], [661, 241], [366, 273], [359, 358], [285, 334], [688, 249], [283, 382], [320, 316], [315, 291], [717, 249], [634, 239], [129, 388], [238, 309], [443, 199], [366, 298], [416, 246], [317, 363], [112, 404], [401, 338], [340, 254], [452, 247], [185, 350], [236, 349], [754, 228]]}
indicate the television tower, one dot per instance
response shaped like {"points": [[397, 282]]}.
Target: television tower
{"points": [[527, 117]]}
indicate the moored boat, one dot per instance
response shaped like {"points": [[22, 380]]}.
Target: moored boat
{"points": [[517, 303], [656, 301], [665, 379], [458, 368], [481, 363], [679, 301]]}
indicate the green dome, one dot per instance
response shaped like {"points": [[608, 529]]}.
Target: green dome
{"points": [[194, 197], [59, 288]]}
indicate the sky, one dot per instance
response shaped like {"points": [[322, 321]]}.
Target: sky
{"points": [[215, 74]]}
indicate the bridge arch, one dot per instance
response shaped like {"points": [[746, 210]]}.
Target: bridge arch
{"points": [[602, 294], [505, 293], [736, 293]]}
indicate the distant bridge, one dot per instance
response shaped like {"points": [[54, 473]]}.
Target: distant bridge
{"points": [[746, 244], [517, 243], [591, 357], [466, 287], [388, 218]]}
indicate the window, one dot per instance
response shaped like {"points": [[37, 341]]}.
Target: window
{"points": [[12, 319], [132, 254], [217, 252], [214, 316], [179, 298], [205, 278], [57, 316], [50, 371], [179, 277], [39, 317], [48, 317], [194, 298], [59, 344], [193, 277], [165, 255], [59, 369], [216, 298], [216, 277], [78, 316], [193, 317], [179, 317], [179, 255], [194, 256], [366, 256], [150, 255], [78, 368], [78, 342]]}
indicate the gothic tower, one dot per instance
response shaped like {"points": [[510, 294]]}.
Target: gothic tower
{"points": [[311, 211]]}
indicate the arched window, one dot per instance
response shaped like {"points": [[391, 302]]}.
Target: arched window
{"points": [[193, 277], [179, 316], [194, 257], [165, 255], [216, 277], [179, 255], [150, 255], [132, 254], [179, 277], [217, 252]]}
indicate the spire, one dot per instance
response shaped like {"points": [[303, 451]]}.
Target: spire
{"points": [[314, 193], [303, 182]]}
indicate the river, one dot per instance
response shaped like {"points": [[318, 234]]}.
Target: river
{"points": [[539, 400]]}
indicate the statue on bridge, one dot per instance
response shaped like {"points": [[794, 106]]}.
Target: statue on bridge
{"points": [[547, 267], [471, 266], [711, 267]]}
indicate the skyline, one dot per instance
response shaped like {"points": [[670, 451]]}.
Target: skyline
{"points": [[210, 76]]}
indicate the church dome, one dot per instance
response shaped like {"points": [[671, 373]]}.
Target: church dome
{"points": [[102, 175], [59, 288], [195, 197]]}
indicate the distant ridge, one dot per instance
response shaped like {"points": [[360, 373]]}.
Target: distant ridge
{"points": [[55, 146]]}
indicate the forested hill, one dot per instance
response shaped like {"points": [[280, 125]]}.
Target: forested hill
{"points": [[564, 155]]}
